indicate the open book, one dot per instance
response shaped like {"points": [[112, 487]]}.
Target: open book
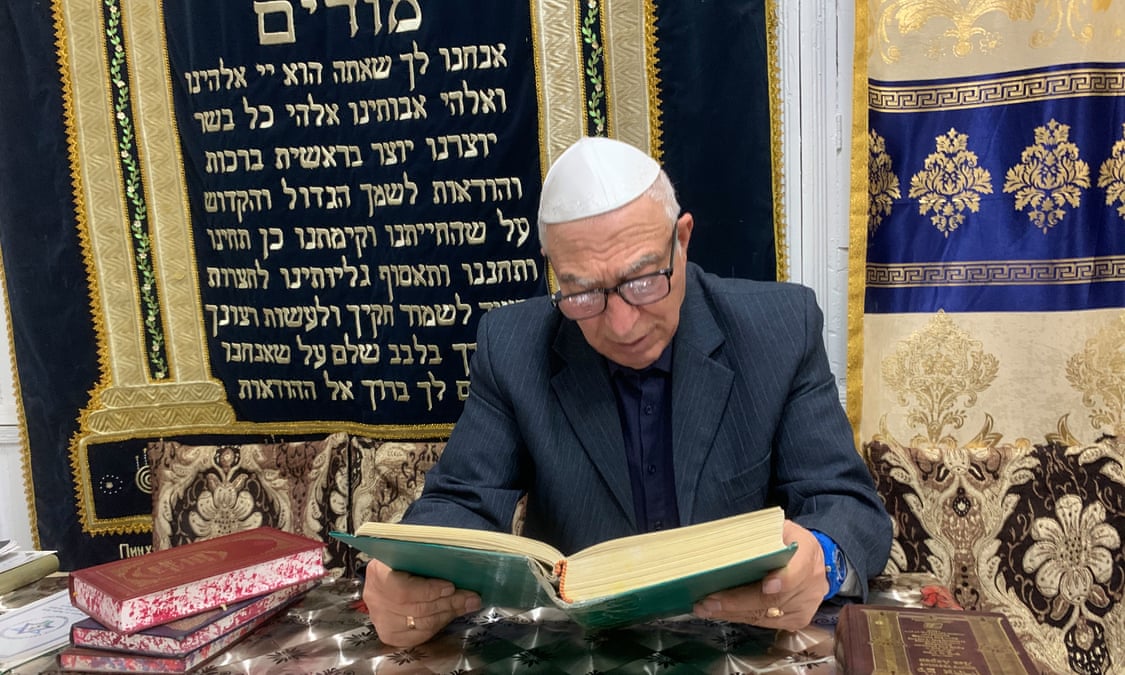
{"points": [[613, 583]]}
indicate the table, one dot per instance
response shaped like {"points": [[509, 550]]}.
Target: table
{"points": [[328, 633]]}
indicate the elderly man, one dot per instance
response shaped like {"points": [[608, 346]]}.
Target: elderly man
{"points": [[646, 394]]}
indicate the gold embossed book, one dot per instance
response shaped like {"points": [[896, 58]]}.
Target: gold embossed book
{"points": [[873, 639], [613, 583]]}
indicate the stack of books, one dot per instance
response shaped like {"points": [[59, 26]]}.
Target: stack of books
{"points": [[35, 614], [18, 567], [168, 611]]}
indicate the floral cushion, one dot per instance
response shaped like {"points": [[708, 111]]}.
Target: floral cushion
{"points": [[390, 476], [309, 487], [1034, 532]]}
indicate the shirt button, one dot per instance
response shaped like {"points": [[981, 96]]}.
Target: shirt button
{"points": [[651, 469], [659, 525], [648, 409]]}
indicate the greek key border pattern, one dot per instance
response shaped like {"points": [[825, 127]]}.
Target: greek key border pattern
{"points": [[1032, 87], [997, 272]]}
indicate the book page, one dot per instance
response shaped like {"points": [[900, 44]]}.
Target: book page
{"points": [[622, 564], [456, 536]]}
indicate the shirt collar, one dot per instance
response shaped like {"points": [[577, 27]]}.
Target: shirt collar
{"points": [[662, 364]]}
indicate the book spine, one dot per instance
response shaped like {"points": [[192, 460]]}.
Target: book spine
{"points": [[137, 613]]}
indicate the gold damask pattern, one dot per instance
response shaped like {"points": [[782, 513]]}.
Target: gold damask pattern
{"points": [[965, 33], [1034, 532], [1111, 178], [932, 372], [1098, 371], [950, 182], [1049, 177], [884, 185]]}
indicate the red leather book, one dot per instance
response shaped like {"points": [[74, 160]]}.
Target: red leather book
{"points": [[135, 593], [99, 661], [181, 637], [877, 639]]}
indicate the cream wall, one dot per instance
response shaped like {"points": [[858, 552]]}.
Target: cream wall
{"points": [[816, 56]]}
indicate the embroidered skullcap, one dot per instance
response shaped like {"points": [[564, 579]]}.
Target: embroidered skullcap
{"points": [[593, 176]]}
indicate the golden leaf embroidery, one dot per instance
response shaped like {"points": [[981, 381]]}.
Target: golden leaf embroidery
{"points": [[1049, 176], [912, 15], [1069, 12], [1098, 371], [1112, 175], [883, 188], [950, 182], [936, 368]]}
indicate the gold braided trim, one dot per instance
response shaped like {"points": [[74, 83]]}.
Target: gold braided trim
{"points": [[777, 154], [1065, 271], [1062, 84], [857, 222], [652, 84], [558, 77]]}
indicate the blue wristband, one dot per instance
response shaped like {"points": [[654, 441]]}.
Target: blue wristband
{"points": [[835, 564]]}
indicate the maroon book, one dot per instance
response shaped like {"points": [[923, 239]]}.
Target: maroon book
{"points": [[100, 661], [135, 593], [183, 636], [877, 639]]}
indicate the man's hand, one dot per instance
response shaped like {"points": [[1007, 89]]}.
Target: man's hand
{"points": [[786, 598], [408, 610]]}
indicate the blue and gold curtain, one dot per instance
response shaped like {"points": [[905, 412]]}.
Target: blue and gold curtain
{"points": [[988, 277]]}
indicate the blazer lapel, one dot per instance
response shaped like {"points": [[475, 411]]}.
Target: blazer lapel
{"points": [[585, 394], [701, 386]]}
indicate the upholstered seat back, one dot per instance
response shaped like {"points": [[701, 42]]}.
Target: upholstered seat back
{"points": [[1035, 532], [309, 487]]}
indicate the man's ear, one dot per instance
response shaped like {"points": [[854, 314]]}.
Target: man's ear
{"points": [[684, 226]]}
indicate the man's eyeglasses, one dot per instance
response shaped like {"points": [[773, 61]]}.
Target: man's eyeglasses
{"points": [[638, 291]]}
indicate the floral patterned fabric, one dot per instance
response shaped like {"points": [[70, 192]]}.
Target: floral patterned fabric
{"points": [[1033, 531], [307, 487]]}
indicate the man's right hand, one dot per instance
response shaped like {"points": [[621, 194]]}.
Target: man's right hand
{"points": [[408, 610]]}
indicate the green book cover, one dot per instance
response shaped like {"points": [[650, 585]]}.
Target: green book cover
{"points": [[501, 579], [518, 581]]}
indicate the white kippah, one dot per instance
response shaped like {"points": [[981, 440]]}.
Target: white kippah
{"points": [[594, 176]]}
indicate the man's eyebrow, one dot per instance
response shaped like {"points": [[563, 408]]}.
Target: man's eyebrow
{"points": [[583, 282]]}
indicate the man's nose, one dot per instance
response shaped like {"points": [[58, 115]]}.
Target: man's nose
{"points": [[619, 315]]}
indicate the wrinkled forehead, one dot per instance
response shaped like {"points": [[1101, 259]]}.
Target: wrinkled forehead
{"points": [[610, 246]]}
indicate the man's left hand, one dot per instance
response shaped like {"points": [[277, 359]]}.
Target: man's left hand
{"points": [[786, 598]]}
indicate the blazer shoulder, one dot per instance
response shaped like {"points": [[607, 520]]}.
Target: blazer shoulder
{"points": [[532, 323], [733, 291]]}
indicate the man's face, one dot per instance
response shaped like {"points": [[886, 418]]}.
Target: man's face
{"points": [[603, 251]]}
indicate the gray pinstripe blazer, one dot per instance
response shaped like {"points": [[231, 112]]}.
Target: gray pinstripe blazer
{"points": [[756, 422]]}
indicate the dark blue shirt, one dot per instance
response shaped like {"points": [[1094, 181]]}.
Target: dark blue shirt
{"points": [[644, 404]]}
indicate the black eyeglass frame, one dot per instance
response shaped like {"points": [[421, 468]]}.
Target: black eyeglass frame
{"points": [[666, 272]]}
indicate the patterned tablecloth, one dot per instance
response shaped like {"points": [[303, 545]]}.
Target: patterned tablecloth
{"points": [[327, 632]]}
